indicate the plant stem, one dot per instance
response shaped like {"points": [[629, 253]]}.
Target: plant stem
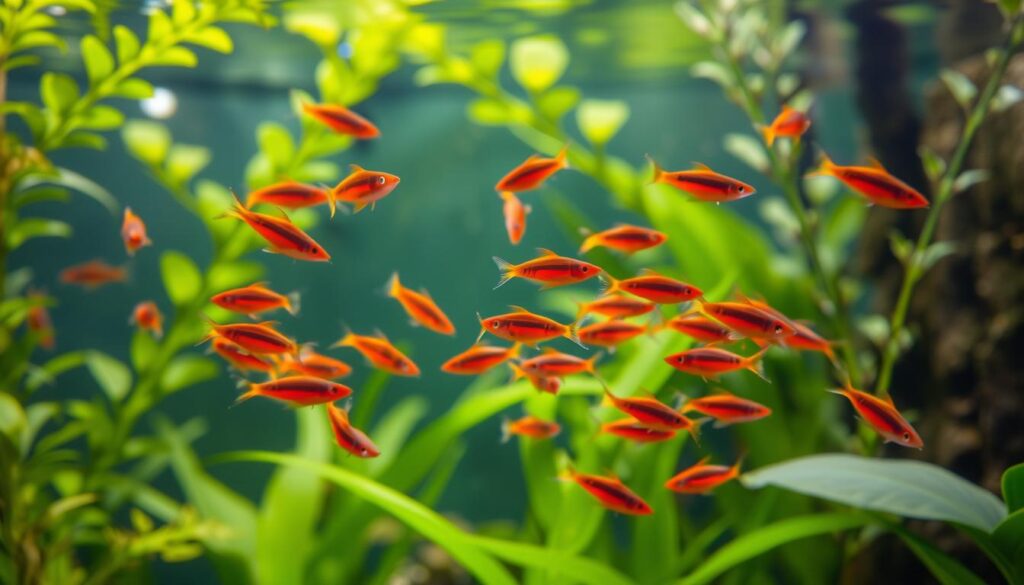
{"points": [[915, 270]]}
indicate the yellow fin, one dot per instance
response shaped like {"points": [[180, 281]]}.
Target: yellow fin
{"points": [[546, 252], [876, 164], [697, 166]]}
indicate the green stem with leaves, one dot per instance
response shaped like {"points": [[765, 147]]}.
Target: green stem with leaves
{"points": [[915, 269]]}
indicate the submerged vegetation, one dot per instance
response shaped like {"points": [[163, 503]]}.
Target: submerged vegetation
{"points": [[77, 502]]}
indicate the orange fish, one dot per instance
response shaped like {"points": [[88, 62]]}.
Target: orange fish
{"points": [[875, 184], [703, 183], [615, 306], [363, 187], [255, 338], [133, 232], [298, 391], [611, 333], [533, 172], [347, 436], [555, 363], [256, 298], [147, 316], [634, 430], [291, 195], [652, 412], [702, 329], [789, 123], [38, 321], [881, 415], [480, 358], [702, 478], [611, 492], [803, 338], [727, 408], [748, 320], [515, 216], [526, 327], [420, 307], [546, 384], [380, 352], [311, 363], [655, 288], [529, 426], [624, 238], [239, 358], [549, 268], [709, 362], [284, 237], [93, 274], [342, 120]]}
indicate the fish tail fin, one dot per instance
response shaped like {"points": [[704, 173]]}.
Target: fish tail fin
{"points": [[507, 269], [581, 310], [592, 362], [293, 302], [825, 167], [755, 365], [517, 371], [567, 474], [609, 284], [346, 339], [393, 286], [694, 429], [563, 156], [768, 132], [573, 335], [237, 210], [482, 328], [506, 430], [252, 392], [658, 171], [517, 348], [608, 399], [589, 243]]}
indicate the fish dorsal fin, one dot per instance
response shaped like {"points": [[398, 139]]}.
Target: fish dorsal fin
{"points": [[649, 272], [876, 164], [698, 166], [787, 109], [380, 334], [518, 309], [550, 350], [423, 291], [355, 168], [284, 214], [533, 157], [704, 461], [888, 400], [546, 252], [645, 393], [266, 323], [722, 392]]}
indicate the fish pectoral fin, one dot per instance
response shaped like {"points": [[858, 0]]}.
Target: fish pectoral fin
{"points": [[359, 207]]}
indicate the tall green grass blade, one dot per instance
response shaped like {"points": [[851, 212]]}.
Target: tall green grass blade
{"points": [[1013, 487], [945, 569]]}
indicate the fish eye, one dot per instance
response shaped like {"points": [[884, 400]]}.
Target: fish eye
{"points": [[495, 324], [584, 268], [381, 180], [741, 189], [906, 436], [364, 451], [680, 359], [778, 329], [314, 250]]}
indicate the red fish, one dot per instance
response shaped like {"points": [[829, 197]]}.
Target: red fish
{"points": [[38, 321], [380, 352], [611, 333], [239, 358], [526, 327], [311, 363], [298, 391], [615, 306], [291, 195], [93, 274], [748, 320], [702, 329], [803, 338], [875, 184], [529, 426], [515, 216], [133, 232], [634, 430], [702, 478], [555, 363], [342, 120], [881, 415], [624, 238], [255, 338], [611, 492], [284, 237], [533, 172], [479, 358], [789, 123], [703, 183], [363, 187], [709, 362], [652, 412], [655, 288], [549, 268], [147, 316], [546, 384], [727, 408], [347, 436], [256, 298], [420, 307]]}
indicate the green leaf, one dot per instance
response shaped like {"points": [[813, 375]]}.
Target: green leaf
{"points": [[968, 179], [557, 101], [489, 112], [185, 161], [1008, 538], [907, 488], [933, 164], [1009, 8], [36, 227], [960, 86], [58, 91], [748, 150], [693, 18], [538, 62], [147, 141], [276, 143], [947, 570], [227, 275], [159, 26], [176, 57], [20, 61], [188, 370], [111, 374], [12, 417], [182, 279], [74, 181], [935, 252], [38, 38], [83, 139], [762, 540], [133, 88], [212, 38], [901, 247], [1006, 97], [102, 117], [127, 43], [39, 194], [789, 38], [99, 63], [143, 349], [600, 120], [182, 13], [488, 56], [1013, 487]]}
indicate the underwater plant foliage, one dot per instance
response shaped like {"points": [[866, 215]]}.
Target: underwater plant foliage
{"points": [[98, 484]]}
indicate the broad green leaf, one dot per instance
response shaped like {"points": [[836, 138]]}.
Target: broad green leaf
{"points": [[600, 120], [111, 374], [182, 13], [962, 88], [188, 370], [933, 164], [36, 227], [1008, 538], [747, 149], [48, 372], [143, 348], [39, 194], [99, 63], [12, 417], [538, 62], [489, 112], [557, 101], [58, 91], [912, 489], [1010, 8], [276, 143], [83, 139], [182, 279], [693, 18], [1013, 487], [1006, 97], [314, 25], [185, 161], [945, 569], [935, 252], [147, 141], [789, 38], [38, 38], [227, 275], [102, 117], [176, 57], [762, 540], [488, 56], [212, 38], [127, 43], [968, 179], [133, 88], [159, 26]]}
